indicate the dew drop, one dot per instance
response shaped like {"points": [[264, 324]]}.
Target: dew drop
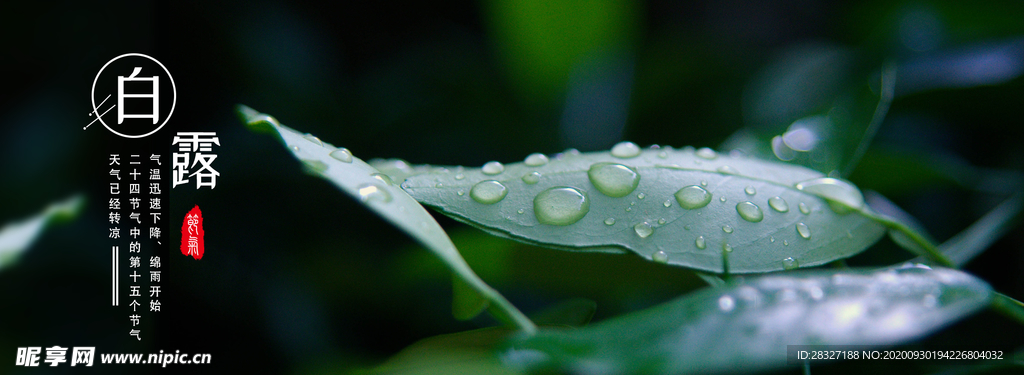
{"points": [[342, 154], [726, 303], [488, 192], [706, 153], [643, 229], [439, 185], [663, 154], [536, 160], [460, 193], [531, 178], [727, 248], [728, 170], [785, 242], [296, 148], [662, 221], [749, 211], [750, 190], [612, 179], [625, 150], [520, 211], [314, 139], [667, 203], [460, 176], [372, 192], [772, 239], [843, 193], [609, 221], [700, 242], [704, 183], [790, 264], [804, 231], [383, 178], [492, 168], [629, 209], [687, 227], [660, 257], [778, 204], [804, 209], [560, 206], [641, 196], [721, 199], [693, 197], [727, 228]]}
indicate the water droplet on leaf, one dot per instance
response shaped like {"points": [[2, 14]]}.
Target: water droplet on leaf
{"points": [[749, 211], [492, 168], [804, 231], [342, 154], [612, 179], [371, 192], [560, 206], [536, 160], [706, 153], [660, 257], [700, 242], [643, 229], [488, 192], [383, 178], [843, 193], [531, 178], [727, 228], [789, 263], [693, 197], [625, 150], [778, 204]]}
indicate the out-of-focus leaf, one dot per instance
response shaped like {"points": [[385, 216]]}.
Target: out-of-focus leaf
{"points": [[884, 206], [972, 241], [470, 353], [747, 326], [541, 42], [814, 107], [376, 191], [574, 313], [17, 237], [686, 207], [981, 64]]}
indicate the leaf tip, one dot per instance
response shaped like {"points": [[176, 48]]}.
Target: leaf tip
{"points": [[256, 121]]}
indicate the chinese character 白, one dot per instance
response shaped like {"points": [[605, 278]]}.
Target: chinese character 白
{"points": [[154, 96]]}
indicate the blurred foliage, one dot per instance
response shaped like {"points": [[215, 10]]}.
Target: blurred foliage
{"points": [[311, 282]]}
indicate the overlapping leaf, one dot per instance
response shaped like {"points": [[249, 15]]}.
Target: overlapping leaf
{"points": [[754, 217], [376, 191], [747, 326], [17, 237]]}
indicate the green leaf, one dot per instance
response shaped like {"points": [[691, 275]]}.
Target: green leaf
{"points": [[747, 326], [377, 192], [470, 352], [17, 237], [683, 207], [575, 312]]}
